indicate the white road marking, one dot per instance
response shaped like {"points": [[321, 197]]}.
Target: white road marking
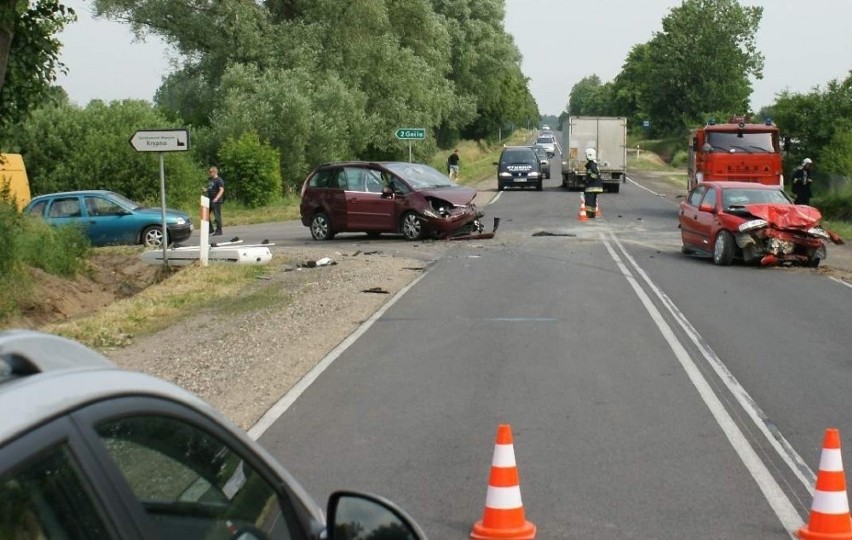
{"points": [[842, 282], [281, 406], [637, 184], [494, 200], [775, 496]]}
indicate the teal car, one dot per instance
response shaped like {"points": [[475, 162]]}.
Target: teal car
{"points": [[108, 218]]}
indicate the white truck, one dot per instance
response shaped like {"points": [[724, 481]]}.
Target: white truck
{"points": [[608, 136]]}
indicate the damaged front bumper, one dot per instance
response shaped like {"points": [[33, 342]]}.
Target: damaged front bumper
{"points": [[764, 243], [445, 220]]}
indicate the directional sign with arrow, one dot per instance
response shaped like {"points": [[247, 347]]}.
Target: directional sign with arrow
{"points": [[411, 133], [160, 140]]}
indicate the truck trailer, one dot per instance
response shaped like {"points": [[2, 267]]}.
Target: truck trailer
{"points": [[608, 136]]}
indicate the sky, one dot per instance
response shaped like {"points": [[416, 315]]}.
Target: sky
{"points": [[806, 43]]}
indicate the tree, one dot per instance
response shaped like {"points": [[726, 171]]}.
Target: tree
{"points": [[29, 53], [701, 61]]}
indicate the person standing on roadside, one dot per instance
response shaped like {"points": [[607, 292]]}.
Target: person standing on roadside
{"points": [[802, 182], [453, 165], [215, 192], [594, 183]]}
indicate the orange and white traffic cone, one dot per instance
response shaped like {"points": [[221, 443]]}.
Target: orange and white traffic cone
{"points": [[598, 212], [503, 517], [582, 216], [830, 517]]}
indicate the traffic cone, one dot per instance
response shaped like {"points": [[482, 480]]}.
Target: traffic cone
{"points": [[582, 216], [503, 517], [598, 212], [830, 517]]}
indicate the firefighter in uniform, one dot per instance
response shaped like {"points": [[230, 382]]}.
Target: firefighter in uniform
{"points": [[802, 182], [594, 182]]}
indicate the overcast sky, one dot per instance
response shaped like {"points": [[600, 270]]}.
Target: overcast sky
{"points": [[806, 43]]}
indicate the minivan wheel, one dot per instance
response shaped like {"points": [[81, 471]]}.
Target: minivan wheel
{"points": [[152, 237], [321, 227], [412, 226]]}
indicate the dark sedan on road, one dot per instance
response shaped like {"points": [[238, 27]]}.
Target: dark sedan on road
{"points": [[751, 222], [386, 197], [108, 218], [544, 159]]}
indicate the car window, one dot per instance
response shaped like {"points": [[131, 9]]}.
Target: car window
{"points": [[374, 181], [518, 156], [47, 498], [420, 176], [696, 195], [710, 198], [189, 481], [355, 179], [100, 206], [323, 179], [37, 209], [65, 207]]}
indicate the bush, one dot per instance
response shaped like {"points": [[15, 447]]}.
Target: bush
{"points": [[251, 170], [679, 158]]}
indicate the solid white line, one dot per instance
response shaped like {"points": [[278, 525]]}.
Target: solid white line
{"points": [[280, 407], [842, 282], [773, 493], [761, 420], [494, 200], [640, 186]]}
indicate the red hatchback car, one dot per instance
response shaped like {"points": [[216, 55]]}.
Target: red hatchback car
{"points": [[388, 197], [751, 222]]}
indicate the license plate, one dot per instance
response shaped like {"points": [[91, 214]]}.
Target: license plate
{"points": [[520, 179]]}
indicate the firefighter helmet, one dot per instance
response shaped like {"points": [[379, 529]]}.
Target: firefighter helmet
{"points": [[591, 154], [807, 161]]}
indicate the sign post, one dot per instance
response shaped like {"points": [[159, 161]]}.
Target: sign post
{"points": [[162, 141], [410, 134]]}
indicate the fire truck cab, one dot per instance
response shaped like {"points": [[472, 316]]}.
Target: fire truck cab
{"points": [[736, 151]]}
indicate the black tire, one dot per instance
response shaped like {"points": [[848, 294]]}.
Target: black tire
{"points": [[501, 187], [321, 227], [613, 188], [723, 249], [411, 226], [538, 186], [814, 262], [152, 236]]}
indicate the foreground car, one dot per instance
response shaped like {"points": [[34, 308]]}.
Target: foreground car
{"points": [[386, 197], [88, 450], [751, 222], [108, 218]]}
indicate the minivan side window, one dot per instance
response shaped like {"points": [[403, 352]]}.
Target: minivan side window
{"points": [[188, 480], [47, 498], [322, 179]]}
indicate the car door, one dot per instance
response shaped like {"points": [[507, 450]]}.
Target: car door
{"points": [[107, 222], [327, 191], [706, 223], [368, 206], [184, 476], [65, 210], [49, 488], [688, 218]]}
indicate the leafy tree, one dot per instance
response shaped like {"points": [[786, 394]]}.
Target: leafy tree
{"points": [[701, 61], [68, 148], [29, 53], [590, 98], [252, 168]]}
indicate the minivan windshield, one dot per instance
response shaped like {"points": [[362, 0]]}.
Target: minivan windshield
{"points": [[525, 155], [420, 176]]}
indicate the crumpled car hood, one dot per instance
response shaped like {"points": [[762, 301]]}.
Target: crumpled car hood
{"points": [[786, 216], [459, 196]]}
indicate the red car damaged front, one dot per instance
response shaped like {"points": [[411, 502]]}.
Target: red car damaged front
{"points": [[450, 212], [783, 233]]}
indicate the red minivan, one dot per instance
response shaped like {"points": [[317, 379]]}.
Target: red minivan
{"points": [[411, 199]]}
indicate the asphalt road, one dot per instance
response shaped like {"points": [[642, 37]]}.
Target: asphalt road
{"points": [[651, 395]]}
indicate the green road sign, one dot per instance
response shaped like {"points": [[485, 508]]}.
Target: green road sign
{"points": [[411, 133]]}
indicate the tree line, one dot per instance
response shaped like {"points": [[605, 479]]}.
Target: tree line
{"points": [[290, 82], [700, 66]]}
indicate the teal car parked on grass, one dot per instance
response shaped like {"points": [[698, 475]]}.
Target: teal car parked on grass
{"points": [[108, 218]]}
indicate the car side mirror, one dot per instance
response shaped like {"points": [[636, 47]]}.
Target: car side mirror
{"points": [[360, 515], [387, 193], [704, 207]]}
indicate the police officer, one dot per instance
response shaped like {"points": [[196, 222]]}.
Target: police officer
{"points": [[594, 182]]}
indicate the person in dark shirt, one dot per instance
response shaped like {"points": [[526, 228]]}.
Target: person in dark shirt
{"points": [[215, 192], [453, 164], [802, 182]]}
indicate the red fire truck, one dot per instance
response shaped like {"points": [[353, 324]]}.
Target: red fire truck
{"points": [[736, 151]]}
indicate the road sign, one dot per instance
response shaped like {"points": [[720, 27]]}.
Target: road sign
{"points": [[410, 134], [160, 140]]}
